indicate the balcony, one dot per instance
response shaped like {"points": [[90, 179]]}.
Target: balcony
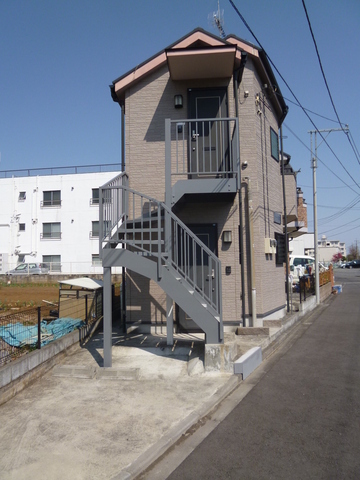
{"points": [[50, 236], [50, 204], [202, 159]]}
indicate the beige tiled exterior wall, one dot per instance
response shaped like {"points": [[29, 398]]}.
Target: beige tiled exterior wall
{"points": [[301, 208], [147, 105], [291, 195]]}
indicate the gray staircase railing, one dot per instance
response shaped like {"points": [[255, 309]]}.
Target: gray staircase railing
{"points": [[149, 228]]}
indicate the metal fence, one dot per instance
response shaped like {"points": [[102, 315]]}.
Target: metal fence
{"points": [[306, 286], [32, 328]]}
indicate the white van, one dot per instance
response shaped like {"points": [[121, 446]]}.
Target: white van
{"points": [[300, 265]]}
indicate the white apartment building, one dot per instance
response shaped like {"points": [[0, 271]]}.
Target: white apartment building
{"points": [[52, 219], [304, 245]]}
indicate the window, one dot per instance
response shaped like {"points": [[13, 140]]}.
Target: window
{"points": [[22, 196], [51, 230], [274, 144], [53, 262], [95, 228], [21, 227], [96, 260], [51, 198], [280, 257], [95, 197]]}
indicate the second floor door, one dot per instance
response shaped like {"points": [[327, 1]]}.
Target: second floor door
{"points": [[209, 134]]}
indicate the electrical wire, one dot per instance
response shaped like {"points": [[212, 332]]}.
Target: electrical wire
{"points": [[343, 231], [320, 63], [326, 83], [323, 163], [291, 91], [307, 109]]}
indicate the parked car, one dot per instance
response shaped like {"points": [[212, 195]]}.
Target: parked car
{"points": [[303, 264], [29, 269], [299, 265], [353, 264]]}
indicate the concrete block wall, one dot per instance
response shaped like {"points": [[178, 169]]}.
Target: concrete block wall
{"points": [[19, 373]]}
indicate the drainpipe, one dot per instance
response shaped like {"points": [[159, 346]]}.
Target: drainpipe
{"points": [[285, 222], [237, 80], [250, 213], [123, 275]]}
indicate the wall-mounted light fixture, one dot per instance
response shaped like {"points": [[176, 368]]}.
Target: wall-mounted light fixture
{"points": [[227, 236], [178, 101]]}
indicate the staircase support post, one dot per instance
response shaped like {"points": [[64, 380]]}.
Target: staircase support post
{"points": [[169, 320], [107, 318]]}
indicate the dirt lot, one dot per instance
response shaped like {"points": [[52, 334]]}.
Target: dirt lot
{"points": [[27, 295]]}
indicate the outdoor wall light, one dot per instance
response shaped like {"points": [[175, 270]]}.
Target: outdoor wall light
{"points": [[227, 236], [178, 101]]}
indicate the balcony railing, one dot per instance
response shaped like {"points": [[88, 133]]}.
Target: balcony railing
{"points": [[203, 148], [50, 236], [50, 204]]}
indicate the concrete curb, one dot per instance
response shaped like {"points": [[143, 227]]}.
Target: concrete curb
{"points": [[169, 439], [153, 453]]}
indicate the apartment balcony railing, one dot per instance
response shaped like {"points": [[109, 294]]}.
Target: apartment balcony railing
{"points": [[203, 149], [50, 204], [50, 236]]}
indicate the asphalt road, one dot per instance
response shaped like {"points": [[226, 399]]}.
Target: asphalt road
{"points": [[298, 415]]}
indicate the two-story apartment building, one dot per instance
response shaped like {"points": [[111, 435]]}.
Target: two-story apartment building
{"points": [[199, 208]]}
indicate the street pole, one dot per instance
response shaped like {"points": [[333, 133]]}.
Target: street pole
{"points": [[314, 167], [316, 248]]}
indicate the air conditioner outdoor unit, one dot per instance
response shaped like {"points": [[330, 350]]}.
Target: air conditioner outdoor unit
{"points": [[270, 246]]}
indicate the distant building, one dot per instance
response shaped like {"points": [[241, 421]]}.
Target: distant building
{"points": [[326, 248], [52, 219]]}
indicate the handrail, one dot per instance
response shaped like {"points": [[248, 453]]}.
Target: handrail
{"points": [[139, 220], [204, 147]]}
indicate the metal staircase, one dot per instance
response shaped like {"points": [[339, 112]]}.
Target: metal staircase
{"points": [[142, 234]]}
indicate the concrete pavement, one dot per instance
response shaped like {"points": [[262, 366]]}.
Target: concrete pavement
{"points": [[299, 415], [80, 422]]}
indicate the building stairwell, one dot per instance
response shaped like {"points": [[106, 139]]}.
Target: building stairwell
{"points": [[143, 235]]}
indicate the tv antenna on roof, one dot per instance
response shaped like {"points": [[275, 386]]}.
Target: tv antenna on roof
{"points": [[217, 19]]}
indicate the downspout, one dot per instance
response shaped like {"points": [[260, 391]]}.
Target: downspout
{"points": [[237, 80], [123, 273], [251, 253], [285, 222]]}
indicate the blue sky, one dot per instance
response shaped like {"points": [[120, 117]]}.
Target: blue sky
{"points": [[58, 58]]}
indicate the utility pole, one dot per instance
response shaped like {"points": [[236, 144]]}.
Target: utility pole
{"points": [[314, 167]]}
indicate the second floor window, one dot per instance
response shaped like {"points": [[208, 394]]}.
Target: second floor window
{"points": [[51, 230], [52, 198], [274, 144], [95, 197]]}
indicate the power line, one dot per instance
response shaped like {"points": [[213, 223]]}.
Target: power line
{"points": [[320, 63], [326, 84], [291, 91], [323, 163], [343, 231], [332, 207], [308, 110]]}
